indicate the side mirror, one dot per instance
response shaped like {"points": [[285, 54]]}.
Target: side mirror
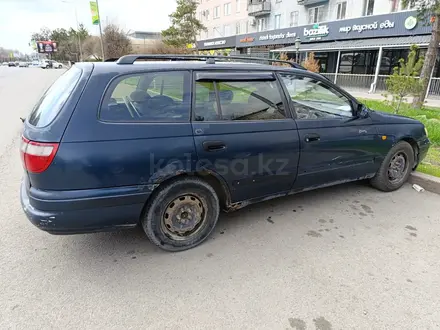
{"points": [[362, 111]]}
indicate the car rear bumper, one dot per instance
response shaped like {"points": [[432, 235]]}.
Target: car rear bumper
{"points": [[107, 210]]}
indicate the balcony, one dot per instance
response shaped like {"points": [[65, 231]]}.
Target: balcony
{"points": [[311, 2], [258, 9]]}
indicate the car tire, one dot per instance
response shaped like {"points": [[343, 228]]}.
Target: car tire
{"points": [[395, 168], [189, 202]]}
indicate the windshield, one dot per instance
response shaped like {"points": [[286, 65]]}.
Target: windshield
{"points": [[54, 98]]}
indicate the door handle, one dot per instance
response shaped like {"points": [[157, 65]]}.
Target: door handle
{"points": [[312, 137], [214, 145]]}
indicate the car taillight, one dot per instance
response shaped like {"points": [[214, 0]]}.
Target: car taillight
{"points": [[37, 156]]}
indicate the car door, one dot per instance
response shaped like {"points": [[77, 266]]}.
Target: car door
{"points": [[243, 133], [336, 144]]}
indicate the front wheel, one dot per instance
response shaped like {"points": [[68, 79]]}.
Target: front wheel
{"points": [[181, 214], [395, 169]]}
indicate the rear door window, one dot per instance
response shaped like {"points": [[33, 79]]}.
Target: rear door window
{"points": [[148, 97], [238, 100], [54, 98]]}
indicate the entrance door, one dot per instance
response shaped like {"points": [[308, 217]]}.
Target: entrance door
{"points": [[244, 134], [336, 145]]}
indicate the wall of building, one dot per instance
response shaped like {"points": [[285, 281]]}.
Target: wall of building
{"points": [[232, 18], [283, 14]]}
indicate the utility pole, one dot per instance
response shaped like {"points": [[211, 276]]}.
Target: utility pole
{"points": [[100, 31]]}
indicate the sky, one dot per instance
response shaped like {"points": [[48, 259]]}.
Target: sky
{"points": [[20, 18]]}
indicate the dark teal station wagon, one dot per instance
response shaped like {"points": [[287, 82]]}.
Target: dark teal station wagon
{"points": [[169, 141]]}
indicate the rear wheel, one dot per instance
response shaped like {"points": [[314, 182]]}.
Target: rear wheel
{"points": [[182, 214], [395, 169]]}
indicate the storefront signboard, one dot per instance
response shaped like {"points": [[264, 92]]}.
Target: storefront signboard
{"points": [[364, 27], [378, 26], [218, 43], [316, 32]]}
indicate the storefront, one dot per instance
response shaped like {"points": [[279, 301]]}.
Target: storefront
{"points": [[218, 46], [353, 45], [354, 52], [358, 40]]}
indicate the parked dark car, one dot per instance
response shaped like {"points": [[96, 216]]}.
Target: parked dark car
{"points": [[167, 144]]}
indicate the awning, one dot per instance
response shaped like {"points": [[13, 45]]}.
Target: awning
{"points": [[360, 44]]}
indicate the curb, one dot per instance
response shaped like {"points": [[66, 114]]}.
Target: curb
{"points": [[428, 182]]}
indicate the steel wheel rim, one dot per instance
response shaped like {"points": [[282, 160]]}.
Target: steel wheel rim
{"points": [[184, 217], [397, 168]]}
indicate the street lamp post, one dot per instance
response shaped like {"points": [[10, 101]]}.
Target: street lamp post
{"points": [[297, 45]]}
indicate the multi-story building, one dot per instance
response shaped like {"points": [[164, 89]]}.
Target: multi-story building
{"points": [[223, 18], [276, 14]]}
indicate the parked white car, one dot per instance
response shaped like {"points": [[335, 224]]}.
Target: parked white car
{"points": [[46, 64], [57, 65]]}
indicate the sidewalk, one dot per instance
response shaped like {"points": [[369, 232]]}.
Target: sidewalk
{"points": [[378, 96]]}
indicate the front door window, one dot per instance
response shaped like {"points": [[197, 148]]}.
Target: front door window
{"points": [[313, 99]]}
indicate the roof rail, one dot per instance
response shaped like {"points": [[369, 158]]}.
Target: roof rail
{"points": [[210, 59]]}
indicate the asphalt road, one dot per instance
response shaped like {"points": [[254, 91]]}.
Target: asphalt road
{"points": [[347, 257]]}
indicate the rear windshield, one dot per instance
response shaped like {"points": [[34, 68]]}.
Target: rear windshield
{"points": [[54, 98]]}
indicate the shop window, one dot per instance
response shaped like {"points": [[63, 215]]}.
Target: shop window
{"points": [[277, 21], [227, 9], [322, 59], [363, 62], [294, 18], [341, 10], [216, 13], [390, 59], [316, 14]]}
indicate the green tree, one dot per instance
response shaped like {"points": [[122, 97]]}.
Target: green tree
{"points": [[67, 41], [405, 81], [429, 13], [115, 40], [184, 25], [44, 34]]}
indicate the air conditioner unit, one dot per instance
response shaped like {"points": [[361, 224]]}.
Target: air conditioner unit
{"points": [[253, 22]]}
